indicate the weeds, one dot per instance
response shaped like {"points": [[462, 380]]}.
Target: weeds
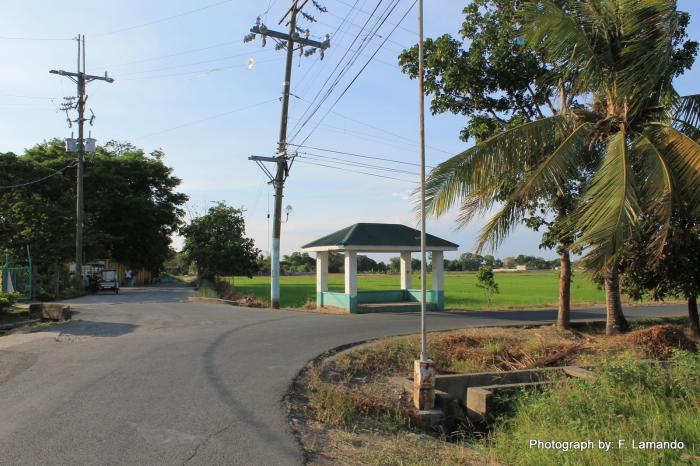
{"points": [[628, 401]]}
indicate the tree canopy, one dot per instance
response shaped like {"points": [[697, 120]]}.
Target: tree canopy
{"points": [[216, 243], [132, 207]]}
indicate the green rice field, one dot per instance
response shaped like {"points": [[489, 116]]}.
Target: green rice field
{"points": [[517, 289]]}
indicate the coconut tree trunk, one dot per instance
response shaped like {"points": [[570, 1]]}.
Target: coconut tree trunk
{"points": [[693, 316], [564, 314], [616, 322]]}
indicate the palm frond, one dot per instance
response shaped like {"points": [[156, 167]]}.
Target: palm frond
{"points": [[559, 166], [657, 191], [647, 31], [683, 156], [609, 206], [486, 167], [565, 36], [687, 111], [500, 225]]}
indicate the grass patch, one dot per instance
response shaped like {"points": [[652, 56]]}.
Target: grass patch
{"points": [[357, 415], [517, 290], [399, 449], [629, 401], [206, 289]]}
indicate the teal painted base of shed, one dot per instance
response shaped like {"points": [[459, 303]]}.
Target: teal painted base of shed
{"points": [[381, 301]]}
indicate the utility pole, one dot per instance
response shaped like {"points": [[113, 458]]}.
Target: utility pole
{"points": [[281, 159], [81, 79]]}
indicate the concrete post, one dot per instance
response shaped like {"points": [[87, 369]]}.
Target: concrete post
{"points": [[321, 271], [424, 385], [406, 273], [351, 273], [438, 273]]}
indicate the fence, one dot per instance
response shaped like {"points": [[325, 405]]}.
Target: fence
{"points": [[17, 280]]}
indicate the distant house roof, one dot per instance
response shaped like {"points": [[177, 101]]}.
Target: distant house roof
{"points": [[380, 237]]}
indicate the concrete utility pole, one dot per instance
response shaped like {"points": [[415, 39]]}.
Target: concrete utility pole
{"points": [[81, 79], [282, 160], [423, 369]]}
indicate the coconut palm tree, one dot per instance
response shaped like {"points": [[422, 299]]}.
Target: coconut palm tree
{"points": [[622, 136]]}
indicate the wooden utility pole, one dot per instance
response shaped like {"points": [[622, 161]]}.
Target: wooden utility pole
{"points": [[282, 159], [81, 79]]}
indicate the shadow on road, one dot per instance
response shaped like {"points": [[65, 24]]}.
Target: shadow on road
{"points": [[223, 386], [89, 328]]}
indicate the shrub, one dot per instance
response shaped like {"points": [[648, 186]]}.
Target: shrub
{"points": [[7, 300]]}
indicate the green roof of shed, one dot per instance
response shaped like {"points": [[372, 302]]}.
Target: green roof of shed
{"points": [[379, 235]]}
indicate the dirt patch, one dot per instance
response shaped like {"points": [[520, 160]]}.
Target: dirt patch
{"points": [[660, 341]]}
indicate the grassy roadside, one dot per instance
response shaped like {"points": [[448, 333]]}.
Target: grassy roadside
{"points": [[346, 411]]}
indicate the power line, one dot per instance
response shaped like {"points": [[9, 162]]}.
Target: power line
{"points": [[335, 38], [351, 154], [390, 24], [162, 20], [185, 65], [309, 155], [57, 172], [347, 88], [377, 128], [36, 38], [314, 106], [199, 72], [356, 171], [201, 120], [175, 54]]}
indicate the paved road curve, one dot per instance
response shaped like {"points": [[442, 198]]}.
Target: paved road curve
{"points": [[146, 378]]}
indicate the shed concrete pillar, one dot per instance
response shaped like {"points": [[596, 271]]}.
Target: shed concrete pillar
{"points": [[406, 272], [438, 274], [351, 273], [321, 271]]}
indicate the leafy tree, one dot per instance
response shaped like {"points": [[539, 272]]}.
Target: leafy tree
{"points": [[132, 207], [336, 262], [217, 245], [298, 262], [490, 77], [486, 281], [621, 135], [395, 265], [676, 273]]}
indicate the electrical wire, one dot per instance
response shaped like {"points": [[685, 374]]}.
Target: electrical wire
{"points": [[201, 72], [29, 183], [162, 20], [345, 170], [211, 117], [347, 88], [334, 36], [309, 155], [351, 154], [377, 128], [404, 28], [314, 106], [35, 38], [175, 54], [185, 65]]}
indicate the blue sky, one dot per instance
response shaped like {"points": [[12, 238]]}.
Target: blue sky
{"points": [[183, 85]]}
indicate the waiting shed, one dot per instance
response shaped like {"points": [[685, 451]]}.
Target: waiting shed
{"points": [[379, 238]]}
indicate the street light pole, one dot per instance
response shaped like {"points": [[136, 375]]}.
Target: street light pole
{"points": [[423, 369]]}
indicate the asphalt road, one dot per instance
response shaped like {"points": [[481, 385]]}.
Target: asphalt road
{"points": [[145, 378]]}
